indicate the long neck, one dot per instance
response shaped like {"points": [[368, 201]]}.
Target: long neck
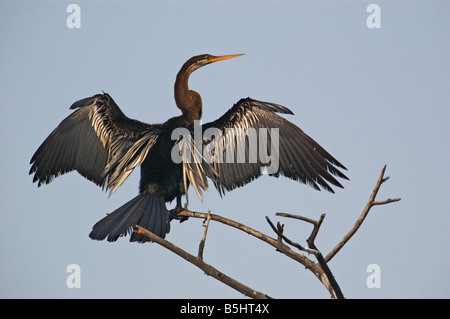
{"points": [[188, 101]]}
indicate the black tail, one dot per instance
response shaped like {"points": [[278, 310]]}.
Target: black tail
{"points": [[146, 210]]}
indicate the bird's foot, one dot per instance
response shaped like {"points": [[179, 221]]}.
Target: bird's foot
{"points": [[174, 213]]}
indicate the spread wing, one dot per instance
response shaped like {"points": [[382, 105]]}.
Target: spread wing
{"points": [[251, 139], [98, 141]]}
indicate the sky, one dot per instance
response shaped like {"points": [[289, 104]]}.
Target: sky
{"points": [[370, 96]]}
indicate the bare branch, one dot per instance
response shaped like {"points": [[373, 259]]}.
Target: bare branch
{"points": [[278, 244], [320, 269], [306, 219], [387, 201], [278, 231], [333, 287], [271, 241], [315, 231], [202, 242], [208, 269], [316, 223], [363, 215]]}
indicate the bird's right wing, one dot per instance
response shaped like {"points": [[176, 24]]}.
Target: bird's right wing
{"points": [[98, 141]]}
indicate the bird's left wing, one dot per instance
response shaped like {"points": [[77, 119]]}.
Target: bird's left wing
{"points": [[251, 139]]}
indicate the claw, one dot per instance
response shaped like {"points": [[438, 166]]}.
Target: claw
{"points": [[174, 213]]}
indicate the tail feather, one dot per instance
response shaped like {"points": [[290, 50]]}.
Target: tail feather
{"points": [[146, 210]]}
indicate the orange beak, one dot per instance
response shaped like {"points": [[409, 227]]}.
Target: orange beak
{"points": [[224, 57]]}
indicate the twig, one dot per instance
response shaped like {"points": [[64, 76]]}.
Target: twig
{"points": [[387, 201], [316, 223], [334, 286], [315, 231], [363, 215], [278, 231], [202, 242], [208, 269]]}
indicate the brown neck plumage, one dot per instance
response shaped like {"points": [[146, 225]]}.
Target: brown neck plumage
{"points": [[188, 101]]}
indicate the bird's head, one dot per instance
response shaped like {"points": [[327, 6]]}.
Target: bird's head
{"points": [[187, 100], [198, 61]]}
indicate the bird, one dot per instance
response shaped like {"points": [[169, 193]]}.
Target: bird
{"points": [[100, 142]]}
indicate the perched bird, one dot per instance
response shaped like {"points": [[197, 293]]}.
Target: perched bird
{"points": [[250, 139]]}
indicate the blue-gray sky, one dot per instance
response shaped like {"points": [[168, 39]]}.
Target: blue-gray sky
{"points": [[370, 96]]}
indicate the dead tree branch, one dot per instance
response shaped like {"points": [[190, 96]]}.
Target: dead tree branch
{"points": [[202, 242], [319, 269], [208, 269], [257, 234], [333, 286], [278, 244], [372, 202], [279, 231], [316, 223]]}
